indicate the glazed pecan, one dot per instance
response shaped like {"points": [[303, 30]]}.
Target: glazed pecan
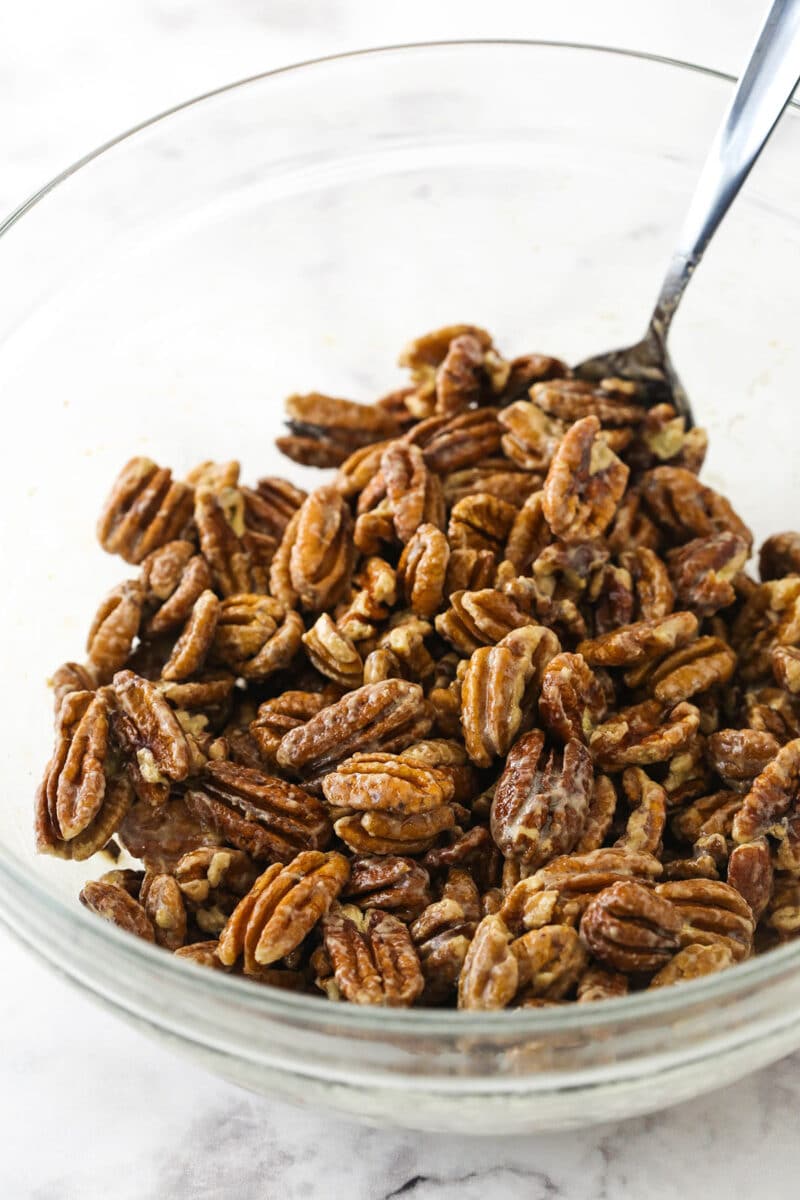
{"points": [[163, 904], [490, 975], [113, 903], [333, 653], [480, 618], [769, 617], [422, 570], [598, 983], [705, 663], [770, 807], [572, 702], [573, 399], [469, 570], [390, 782], [204, 954], [443, 932], [173, 577], [147, 728], [212, 880], [281, 908], [581, 875], [233, 565], [531, 438], [631, 928], [641, 641], [424, 355], [702, 571], [480, 522], [739, 755], [644, 733], [500, 688], [145, 509], [414, 494], [114, 628], [584, 484], [750, 872], [599, 815], [653, 594], [270, 507], [693, 962], [267, 817], [161, 836], [550, 961], [255, 635], [373, 958], [786, 668], [190, 651], [779, 556], [493, 477], [683, 508], [648, 801], [385, 832], [712, 913], [455, 443], [384, 716], [540, 804], [528, 535], [369, 608], [394, 884], [314, 561], [772, 710], [461, 380], [325, 430]]}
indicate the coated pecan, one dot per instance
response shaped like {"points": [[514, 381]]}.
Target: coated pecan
{"points": [[71, 677], [631, 527], [480, 522], [786, 668], [662, 437], [494, 477], [394, 884], [739, 755], [683, 508], [531, 438], [771, 710], [693, 962], [528, 369], [469, 570], [212, 880], [413, 492], [641, 641], [490, 974], [424, 355], [631, 928], [481, 618], [712, 913], [750, 872], [597, 983], [550, 961], [281, 908], [644, 733], [500, 688], [314, 561], [648, 801], [270, 507], [147, 728], [204, 954], [387, 832], [779, 556], [405, 639], [163, 904], [373, 958], [255, 635], [576, 875], [584, 484], [770, 807], [455, 443], [703, 664], [325, 430], [333, 653], [449, 757], [540, 805], [572, 702], [233, 565], [367, 782], [145, 509], [462, 381], [114, 904], [654, 596], [702, 571], [422, 570], [783, 913], [267, 817], [190, 651], [161, 836], [599, 815], [574, 399], [529, 534], [380, 716], [360, 468], [114, 628], [769, 617], [708, 815], [443, 932], [276, 717], [173, 577]]}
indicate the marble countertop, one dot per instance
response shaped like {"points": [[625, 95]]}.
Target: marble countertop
{"points": [[89, 1108]]}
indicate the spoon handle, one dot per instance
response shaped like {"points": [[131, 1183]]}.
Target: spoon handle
{"points": [[762, 93]]}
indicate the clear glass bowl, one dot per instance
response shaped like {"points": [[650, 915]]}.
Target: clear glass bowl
{"points": [[291, 233]]}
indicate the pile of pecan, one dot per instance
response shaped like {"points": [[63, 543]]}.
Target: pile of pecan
{"points": [[494, 717]]}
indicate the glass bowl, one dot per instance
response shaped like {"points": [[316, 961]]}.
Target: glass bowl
{"points": [[290, 233]]}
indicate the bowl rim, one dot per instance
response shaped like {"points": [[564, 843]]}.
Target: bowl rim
{"points": [[266, 1001]]}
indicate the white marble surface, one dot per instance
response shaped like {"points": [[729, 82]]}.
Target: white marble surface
{"points": [[87, 1107]]}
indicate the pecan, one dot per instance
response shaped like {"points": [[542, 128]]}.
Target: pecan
{"points": [[644, 733], [276, 717], [281, 908], [494, 477], [360, 468], [770, 807], [74, 787], [702, 571], [683, 508], [540, 805], [190, 650], [234, 568], [779, 556], [739, 755], [394, 884], [708, 815], [114, 628], [405, 639], [531, 438], [693, 962], [576, 875], [771, 710], [422, 570], [783, 912], [163, 904], [750, 872], [414, 494], [480, 618], [256, 636], [443, 932], [212, 880], [631, 928], [769, 617], [712, 913], [373, 958], [529, 534], [500, 688], [425, 354], [469, 570], [148, 729], [648, 800], [474, 847], [204, 954], [450, 758], [325, 430], [573, 399], [333, 653], [71, 677], [786, 668], [490, 974], [662, 437], [314, 561], [599, 815], [114, 904], [145, 509], [387, 832], [461, 381], [160, 836], [584, 484], [528, 369], [173, 577], [367, 782], [703, 664], [597, 983], [631, 527], [270, 507], [380, 716], [654, 596], [268, 818], [641, 641], [455, 443], [550, 961], [572, 702], [480, 522]]}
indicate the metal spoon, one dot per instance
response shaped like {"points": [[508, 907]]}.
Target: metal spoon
{"points": [[763, 92]]}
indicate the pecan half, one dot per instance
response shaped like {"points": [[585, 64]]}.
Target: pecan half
{"points": [[648, 800], [148, 729], [640, 641], [114, 629], [702, 571], [234, 568], [422, 570], [173, 577], [145, 509], [644, 733], [683, 508], [693, 962], [413, 492], [750, 872], [163, 904], [480, 522], [325, 430], [114, 904], [572, 702], [386, 832], [479, 618], [255, 635], [770, 807], [739, 755], [394, 884], [706, 663], [490, 974], [584, 484], [333, 653], [630, 928], [531, 438], [597, 983], [373, 958], [786, 668], [540, 804], [550, 961], [190, 651], [367, 782], [529, 534], [314, 561], [779, 556], [712, 913]]}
